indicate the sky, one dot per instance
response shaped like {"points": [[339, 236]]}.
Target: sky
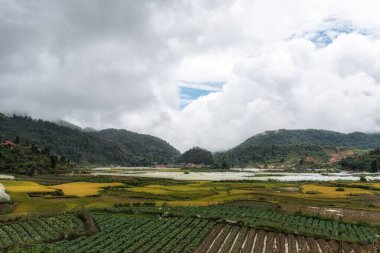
{"points": [[206, 73]]}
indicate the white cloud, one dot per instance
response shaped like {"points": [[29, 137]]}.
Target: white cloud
{"points": [[118, 65], [294, 85]]}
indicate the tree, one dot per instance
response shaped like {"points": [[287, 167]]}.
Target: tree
{"points": [[374, 166], [53, 161], [225, 165]]}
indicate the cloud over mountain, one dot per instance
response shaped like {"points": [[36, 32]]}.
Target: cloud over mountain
{"points": [[283, 64]]}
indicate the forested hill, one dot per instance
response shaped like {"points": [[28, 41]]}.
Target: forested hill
{"points": [[314, 137], [146, 147], [79, 146], [292, 148]]}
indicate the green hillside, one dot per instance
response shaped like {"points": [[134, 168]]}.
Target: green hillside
{"points": [[282, 155], [314, 137], [31, 160], [82, 147], [146, 148], [297, 148], [197, 155], [369, 161]]}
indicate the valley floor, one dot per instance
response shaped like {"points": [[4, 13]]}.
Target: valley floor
{"points": [[191, 216]]}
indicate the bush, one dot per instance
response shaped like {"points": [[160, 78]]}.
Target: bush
{"points": [[313, 192], [339, 189]]}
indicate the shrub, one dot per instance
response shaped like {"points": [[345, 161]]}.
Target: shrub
{"points": [[339, 189], [313, 192]]}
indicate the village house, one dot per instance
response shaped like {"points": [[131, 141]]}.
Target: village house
{"points": [[7, 144]]}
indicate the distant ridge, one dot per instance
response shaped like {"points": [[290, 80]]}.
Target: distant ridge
{"points": [[142, 146], [84, 147], [314, 137], [290, 147]]}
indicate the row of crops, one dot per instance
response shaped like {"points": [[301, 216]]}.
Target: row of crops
{"points": [[126, 233], [237, 239], [291, 224], [152, 229], [41, 229]]}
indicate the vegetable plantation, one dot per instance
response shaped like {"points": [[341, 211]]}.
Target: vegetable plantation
{"points": [[126, 233], [43, 229], [272, 219], [146, 230]]}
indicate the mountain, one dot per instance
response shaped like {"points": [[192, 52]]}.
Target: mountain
{"points": [[314, 137], [146, 147], [65, 123], [297, 148], [82, 147], [197, 155]]}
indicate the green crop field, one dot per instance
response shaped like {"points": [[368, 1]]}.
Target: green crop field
{"points": [[155, 230], [44, 229], [270, 219]]}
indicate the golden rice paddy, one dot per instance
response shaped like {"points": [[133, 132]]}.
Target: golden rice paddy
{"points": [[82, 189], [331, 192]]}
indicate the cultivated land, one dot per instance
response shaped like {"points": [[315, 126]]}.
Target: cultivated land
{"points": [[130, 214]]}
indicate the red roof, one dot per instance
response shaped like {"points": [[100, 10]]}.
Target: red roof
{"points": [[8, 144]]}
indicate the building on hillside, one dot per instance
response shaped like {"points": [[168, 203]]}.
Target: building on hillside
{"points": [[7, 144]]}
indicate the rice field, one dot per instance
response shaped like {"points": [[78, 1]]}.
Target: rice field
{"points": [[82, 189], [79, 189], [334, 192]]}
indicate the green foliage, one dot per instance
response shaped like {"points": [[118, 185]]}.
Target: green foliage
{"points": [[197, 155], [42, 229], [369, 161], [127, 233], [272, 219], [265, 154], [102, 148], [25, 160]]}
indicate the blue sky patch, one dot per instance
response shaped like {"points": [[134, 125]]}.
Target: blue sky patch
{"points": [[190, 91], [332, 28], [326, 37]]}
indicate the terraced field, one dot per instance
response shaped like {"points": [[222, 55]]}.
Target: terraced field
{"points": [[236, 239]]}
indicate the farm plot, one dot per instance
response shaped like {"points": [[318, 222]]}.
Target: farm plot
{"points": [[235, 239], [41, 229], [126, 233], [276, 220]]}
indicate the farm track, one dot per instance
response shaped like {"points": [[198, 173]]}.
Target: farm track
{"points": [[233, 239]]}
